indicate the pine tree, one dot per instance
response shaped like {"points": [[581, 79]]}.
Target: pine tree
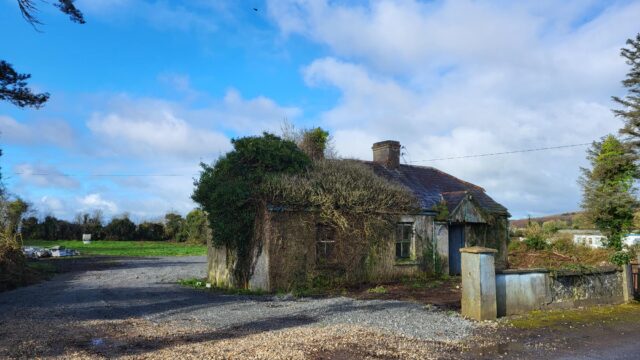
{"points": [[630, 111], [608, 188], [13, 84]]}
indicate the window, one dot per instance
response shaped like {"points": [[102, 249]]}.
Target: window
{"points": [[403, 240], [325, 244]]}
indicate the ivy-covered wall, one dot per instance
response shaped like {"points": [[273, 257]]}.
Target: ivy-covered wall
{"points": [[287, 256], [283, 255], [493, 235]]}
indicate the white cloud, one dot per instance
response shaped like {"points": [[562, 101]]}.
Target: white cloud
{"points": [[180, 83], [44, 176], [93, 202], [456, 78], [153, 128], [13, 130], [44, 131], [50, 205], [251, 116]]}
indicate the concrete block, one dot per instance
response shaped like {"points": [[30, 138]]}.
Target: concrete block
{"points": [[518, 293], [478, 283]]}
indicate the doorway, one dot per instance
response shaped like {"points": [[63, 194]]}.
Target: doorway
{"points": [[456, 242]]}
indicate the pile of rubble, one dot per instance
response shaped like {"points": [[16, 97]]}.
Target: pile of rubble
{"points": [[33, 252]]}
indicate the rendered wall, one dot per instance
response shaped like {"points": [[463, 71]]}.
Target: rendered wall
{"points": [[442, 245], [518, 292]]}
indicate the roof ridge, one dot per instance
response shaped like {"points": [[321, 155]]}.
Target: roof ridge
{"points": [[447, 174], [453, 192]]}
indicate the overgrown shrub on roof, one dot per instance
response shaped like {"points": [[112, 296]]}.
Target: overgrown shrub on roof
{"points": [[336, 188]]}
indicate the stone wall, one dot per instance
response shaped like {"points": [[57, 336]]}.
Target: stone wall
{"points": [[520, 291], [573, 289]]}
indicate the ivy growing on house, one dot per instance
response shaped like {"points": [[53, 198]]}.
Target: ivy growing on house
{"points": [[230, 190], [269, 170], [442, 211]]}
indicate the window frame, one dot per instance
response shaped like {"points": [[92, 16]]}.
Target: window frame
{"points": [[404, 243], [325, 239]]}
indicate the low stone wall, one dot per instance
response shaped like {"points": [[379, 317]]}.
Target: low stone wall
{"points": [[520, 291], [573, 289]]}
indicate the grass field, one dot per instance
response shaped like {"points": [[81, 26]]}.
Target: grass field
{"points": [[126, 248]]}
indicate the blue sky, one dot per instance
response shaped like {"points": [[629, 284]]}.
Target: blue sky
{"points": [[155, 87]]}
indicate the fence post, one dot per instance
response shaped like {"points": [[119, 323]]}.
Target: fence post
{"points": [[479, 283], [627, 283]]}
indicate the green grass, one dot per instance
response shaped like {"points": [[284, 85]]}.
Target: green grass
{"points": [[125, 248]]}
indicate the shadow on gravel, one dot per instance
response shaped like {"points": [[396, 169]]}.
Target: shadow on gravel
{"points": [[120, 302], [97, 263], [78, 264], [132, 343]]}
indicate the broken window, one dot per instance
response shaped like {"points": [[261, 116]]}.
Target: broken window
{"points": [[325, 244], [403, 240]]}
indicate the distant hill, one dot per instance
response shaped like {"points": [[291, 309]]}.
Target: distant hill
{"points": [[568, 217]]}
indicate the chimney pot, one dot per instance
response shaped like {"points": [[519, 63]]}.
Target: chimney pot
{"points": [[387, 153]]}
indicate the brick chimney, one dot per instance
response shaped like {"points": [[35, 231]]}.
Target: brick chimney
{"points": [[387, 153]]}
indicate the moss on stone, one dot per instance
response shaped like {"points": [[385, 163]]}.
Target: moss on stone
{"points": [[562, 318]]}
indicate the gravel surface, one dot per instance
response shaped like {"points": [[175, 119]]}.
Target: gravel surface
{"points": [[107, 290], [146, 287]]}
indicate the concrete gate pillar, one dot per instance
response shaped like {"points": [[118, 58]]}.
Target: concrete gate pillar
{"points": [[627, 283], [479, 283]]}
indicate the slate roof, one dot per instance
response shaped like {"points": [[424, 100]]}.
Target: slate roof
{"points": [[431, 186]]}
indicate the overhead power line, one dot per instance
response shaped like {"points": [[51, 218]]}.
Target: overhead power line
{"points": [[503, 153], [412, 162]]}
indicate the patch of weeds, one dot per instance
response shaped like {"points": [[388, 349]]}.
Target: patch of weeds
{"points": [[308, 291], [233, 291], [425, 282], [202, 284], [377, 290], [193, 282], [319, 285]]}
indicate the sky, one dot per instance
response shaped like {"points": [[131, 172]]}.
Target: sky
{"points": [[146, 90]]}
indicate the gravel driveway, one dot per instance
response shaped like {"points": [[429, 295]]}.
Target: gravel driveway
{"points": [[145, 288]]}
